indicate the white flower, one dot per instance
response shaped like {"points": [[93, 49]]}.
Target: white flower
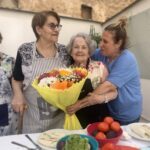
{"points": [[47, 81]]}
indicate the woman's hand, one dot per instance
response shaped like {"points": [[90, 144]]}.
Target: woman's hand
{"points": [[72, 109], [19, 103], [90, 100], [94, 99]]}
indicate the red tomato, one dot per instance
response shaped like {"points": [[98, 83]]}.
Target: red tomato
{"points": [[108, 120], [103, 126], [100, 136], [115, 126], [109, 146]]}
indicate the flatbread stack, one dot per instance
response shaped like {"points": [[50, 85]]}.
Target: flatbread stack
{"points": [[142, 130], [50, 138]]}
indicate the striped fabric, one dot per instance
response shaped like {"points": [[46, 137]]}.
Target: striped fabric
{"points": [[40, 115]]}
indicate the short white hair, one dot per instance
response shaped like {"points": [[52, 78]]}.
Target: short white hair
{"points": [[90, 43]]}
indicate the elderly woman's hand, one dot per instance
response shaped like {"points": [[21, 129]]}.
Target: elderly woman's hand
{"points": [[72, 109], [91, 99], [19, 103]]}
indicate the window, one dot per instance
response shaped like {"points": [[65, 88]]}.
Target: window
{"points": [[86, 12]]}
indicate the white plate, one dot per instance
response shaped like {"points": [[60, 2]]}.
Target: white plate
{"points": [[48, 140], [133, 134]]}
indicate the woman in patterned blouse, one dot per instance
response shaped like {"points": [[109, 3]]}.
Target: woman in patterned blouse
{"points": [[33, 59], [8, 119], [80, 49]]}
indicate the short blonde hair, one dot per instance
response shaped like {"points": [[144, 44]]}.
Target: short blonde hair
{"points": [[118, 30], [90, 43]]}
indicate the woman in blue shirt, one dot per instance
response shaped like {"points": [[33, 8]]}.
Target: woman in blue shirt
{"points": [[123, 74]]}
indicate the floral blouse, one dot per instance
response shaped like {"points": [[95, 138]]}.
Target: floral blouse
{"points": [[7, 116], [25, 56], [6, 66], [97, 72]]}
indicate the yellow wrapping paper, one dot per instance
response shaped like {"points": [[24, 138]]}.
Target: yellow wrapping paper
{"points": [[61, 99]]}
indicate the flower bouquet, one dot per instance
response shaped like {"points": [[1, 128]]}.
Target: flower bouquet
{"points": [[61, 88]]}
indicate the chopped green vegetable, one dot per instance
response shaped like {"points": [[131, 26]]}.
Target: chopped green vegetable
{"points": [[76, 142]]}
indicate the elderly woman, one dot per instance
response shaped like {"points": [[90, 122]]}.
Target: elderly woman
{"points": [[80, 49], [123, 74], [32, 60], [8, 119]]}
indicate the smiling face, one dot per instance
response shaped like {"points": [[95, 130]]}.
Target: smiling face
{"points": [[80, 51], [107, 45], [48, 33]]}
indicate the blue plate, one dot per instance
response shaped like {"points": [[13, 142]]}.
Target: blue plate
{"points": [[93, 143]]}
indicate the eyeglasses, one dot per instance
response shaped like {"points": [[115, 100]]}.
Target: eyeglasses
{"points": [[53, 26]]}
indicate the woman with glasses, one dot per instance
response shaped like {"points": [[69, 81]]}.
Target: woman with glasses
{"points": [[32, 60], [8, 118]]}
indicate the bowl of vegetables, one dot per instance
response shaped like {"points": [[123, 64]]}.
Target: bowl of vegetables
{"points": [[77, 142]]}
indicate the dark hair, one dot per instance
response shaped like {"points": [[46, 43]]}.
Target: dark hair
{"points": [[40, 18], [119, 32], [1, 38]]}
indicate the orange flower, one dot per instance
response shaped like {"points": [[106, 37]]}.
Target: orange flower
{"points": [[64, 72], [60, 85], [69, 84]]}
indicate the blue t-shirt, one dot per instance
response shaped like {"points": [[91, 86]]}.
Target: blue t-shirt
{"points": [[124, 74]]}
